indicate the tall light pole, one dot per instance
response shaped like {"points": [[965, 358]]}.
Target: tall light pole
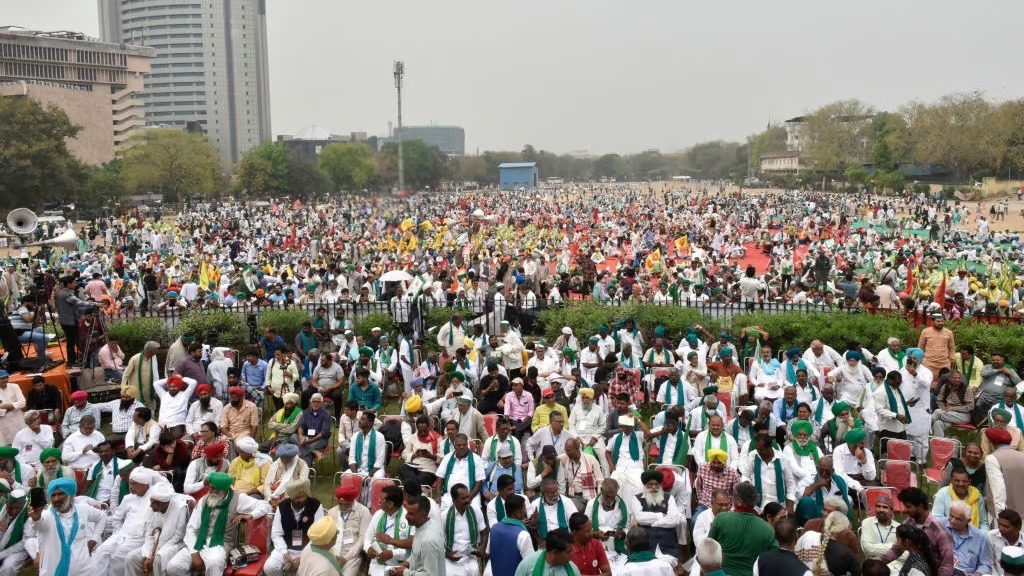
{"points": [[399, 73]]}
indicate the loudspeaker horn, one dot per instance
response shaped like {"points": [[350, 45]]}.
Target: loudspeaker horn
{"points": [[22, 221], [67, 240]]}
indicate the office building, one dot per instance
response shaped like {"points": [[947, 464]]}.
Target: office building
{"points": [[448, 139], [210, 71], [96, 84]]}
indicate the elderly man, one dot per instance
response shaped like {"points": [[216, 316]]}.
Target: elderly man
{"points": [[212, 528], [854, 462], [766, 469], [164, 531], [960, 489], [206, 409], [551, 510], [715, 437], [471, 422], [289, 532], [122, 411], [625, 455], [554, 434], [611, 516], [970, 548], [352, 519], [142, 371], [314, 430], [286, 469], [68, 532], [128, 522], [643, 557], [995, 376], [317, 559], [657, 512], [13, 470], [77, 450], [581, 473], [12, 402], [240, 418], [80, 407], [15, 533], [824, 485], [247, 472]]}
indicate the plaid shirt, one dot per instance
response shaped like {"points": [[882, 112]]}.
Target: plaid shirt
{"points": [[708, 481], [630, 385], [120, 420]]}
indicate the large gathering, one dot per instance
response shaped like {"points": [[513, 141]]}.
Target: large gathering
{"points": [[464, 435]]}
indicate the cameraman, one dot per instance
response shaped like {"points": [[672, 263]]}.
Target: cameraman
{"points": [[21, 321], [69, 311]]}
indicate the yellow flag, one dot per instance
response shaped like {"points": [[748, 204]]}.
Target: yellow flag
{"points": [[406, 224], [652, 259]]}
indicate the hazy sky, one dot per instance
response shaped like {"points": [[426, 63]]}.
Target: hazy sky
{"points": [[609, 75]]}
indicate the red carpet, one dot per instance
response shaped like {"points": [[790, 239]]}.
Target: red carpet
{"points": [[755, 257]]}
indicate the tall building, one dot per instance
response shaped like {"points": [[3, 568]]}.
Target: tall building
{"points": [[96, 84], [449, 139], [210, 70]]}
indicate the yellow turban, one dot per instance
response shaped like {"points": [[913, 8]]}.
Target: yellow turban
{"points": [[322, 531], [718, 454], [130, 391], [587, 392], [468, 344], [413, 404]]}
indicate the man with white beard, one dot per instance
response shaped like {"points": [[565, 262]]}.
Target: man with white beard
{"points": [[213, 528], [129, 521], [67, 530], [612, 515], [169, 515], [658, 513], [15, 533]]}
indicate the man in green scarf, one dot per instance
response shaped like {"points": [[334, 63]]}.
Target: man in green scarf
{"points": [[551, 510], [554, 560], [12, 540], [213, 528], [642, 559], [465, 534]]}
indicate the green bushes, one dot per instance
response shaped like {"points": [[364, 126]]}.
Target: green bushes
{"points": [[133, 334], [287, 323], [382, 320], [216, 328], [585, 317]]}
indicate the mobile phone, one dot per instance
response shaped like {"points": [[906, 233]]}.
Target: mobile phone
{"points": [[37, 497]]}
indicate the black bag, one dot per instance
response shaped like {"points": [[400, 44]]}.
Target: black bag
{"points": [[392, 432]]}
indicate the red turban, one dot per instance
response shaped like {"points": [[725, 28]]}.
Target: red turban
{"points": [[236, 391], [79, 396], [347, 492], [668, 478], [204, 388], [998, 435], [214, 450], [175, 383]]}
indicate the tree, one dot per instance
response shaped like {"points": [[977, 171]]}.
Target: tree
{"points": [[172, 161], [838, 135], [612, 166], [717, 159], [471, 169], [35, 165], [891, 141], [263, 171], [770, 141], [305, 180], [349, 165], [950, 132], [424, 165]]}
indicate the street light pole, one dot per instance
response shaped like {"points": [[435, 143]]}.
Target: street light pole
{"points": [[399, 73]]}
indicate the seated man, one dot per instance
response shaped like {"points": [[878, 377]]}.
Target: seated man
{"points": [[657, 512], [970, 547], [587, 552], [294, 517], [642, 558], [878, 532], [960, 489], [824, 485], [625, 455], [112, 359], [854, 461], [551, 510], [248, 474]]}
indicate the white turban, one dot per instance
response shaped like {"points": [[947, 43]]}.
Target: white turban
{"points": [[162, 492], [143, 476], [248, 445]]}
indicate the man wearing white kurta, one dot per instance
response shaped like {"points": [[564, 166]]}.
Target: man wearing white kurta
{"points": [[288, 547], [391, 521], [587, 422], [626, 456], [468, 531], [551, 508], [612, 514], [715, 437], [451, 336], [17, 530], [66, 520], [12, 402], [460, 466], [128, 522], [763, 467], [169, 513], [917, 382], [77, 449], [853, 462], [366, 455]]}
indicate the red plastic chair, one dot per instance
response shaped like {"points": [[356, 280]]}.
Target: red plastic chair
{"points": [[475, 445], [726, 399], [491, 423], [896, 449], [942, 450], [377, 487], [257, 533], [871, 496], [898, 474]]}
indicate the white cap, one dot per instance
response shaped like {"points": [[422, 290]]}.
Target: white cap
{"points": [[248, 445], [162, 492], [567, 331]]}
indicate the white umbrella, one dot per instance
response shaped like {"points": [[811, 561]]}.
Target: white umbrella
{"points": [[396, 276]]}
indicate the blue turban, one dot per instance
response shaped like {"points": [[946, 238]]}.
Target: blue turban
{"points": [[65, 485], [287, 450], [854, 355], [916, 353], [725, 353], [793, 352]]}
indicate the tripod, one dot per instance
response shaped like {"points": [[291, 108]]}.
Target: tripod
{"points": [[42, 308], [99, 328]]}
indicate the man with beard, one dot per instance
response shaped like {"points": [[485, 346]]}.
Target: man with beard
{"points": [[121, 411], [287, 468], [212, 528], [289, 532], [168, 514], [67, 531], [658, 513], [714, 437], [200, 469], [824, 484], [207, 409], [52, 469], [610, 516], [140, 373], [240, 418], [587, 422], [352, 519], [551, 510], [465, 535], [15, 533], [128, 522], [13, 471]]}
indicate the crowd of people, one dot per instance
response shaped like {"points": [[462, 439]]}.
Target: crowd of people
{"points": [[628, 450]]}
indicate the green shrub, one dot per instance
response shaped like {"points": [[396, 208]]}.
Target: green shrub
{"points": [[133, 334], [287, 322], [835, 329], [215, 327], [382, 320], [988, 338], [585, 317]]}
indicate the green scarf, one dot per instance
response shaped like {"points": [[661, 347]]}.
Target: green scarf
{"points": [[385, 355], [97, 473], [892, 401], [494, 447], [819, 500], [542, 521], [645, 556], [138, 378], [446, 446], [383, 523], [451, 467], [736, 430], [1016, 414], [899, 356], [679, 392], [620, 546], [968, 369], [327, 555], [539, 568], [784, 412], [634, 447], [499, 508], [723, 444], [449, 527], [359, 449], [810, 450], [780, 486], [451, 333], [14, 532], [217, 538], [682, 448], [819, 412], [296, 412]]}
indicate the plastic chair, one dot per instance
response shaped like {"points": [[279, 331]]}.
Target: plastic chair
{"points": [[377, 486], [896, 449], [942, 450], [346, 478], [257, 533], [80, 480], [898, 474], [871, 496], [476, 445], [491, 423]]}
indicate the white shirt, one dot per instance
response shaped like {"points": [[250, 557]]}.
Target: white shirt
{"points": [[173, 409], [363, 460], [277, 535], [30, 444], [846, 463], [461, 542], [586, 424], [135, 439], [551, 510], [106, 481], [769, 492], [71, 450], [802, 467], [996, 543], [245, 505], [625, 460], [700, 443], [91, 522], [197, 416], [669, 519], [460, 471]]}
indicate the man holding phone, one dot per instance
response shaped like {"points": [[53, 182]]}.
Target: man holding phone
{"points": [[66, 529]]}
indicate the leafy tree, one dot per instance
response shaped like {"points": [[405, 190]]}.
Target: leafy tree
{"points": [[770, 141], [172, 161], [717, 159], [424, 165], [891, 141], [856, 175], [349, 165], [305, 180], [838, 135], [472, 169], [612, 166], [35, 165], [950, 132], [263, 171]]}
